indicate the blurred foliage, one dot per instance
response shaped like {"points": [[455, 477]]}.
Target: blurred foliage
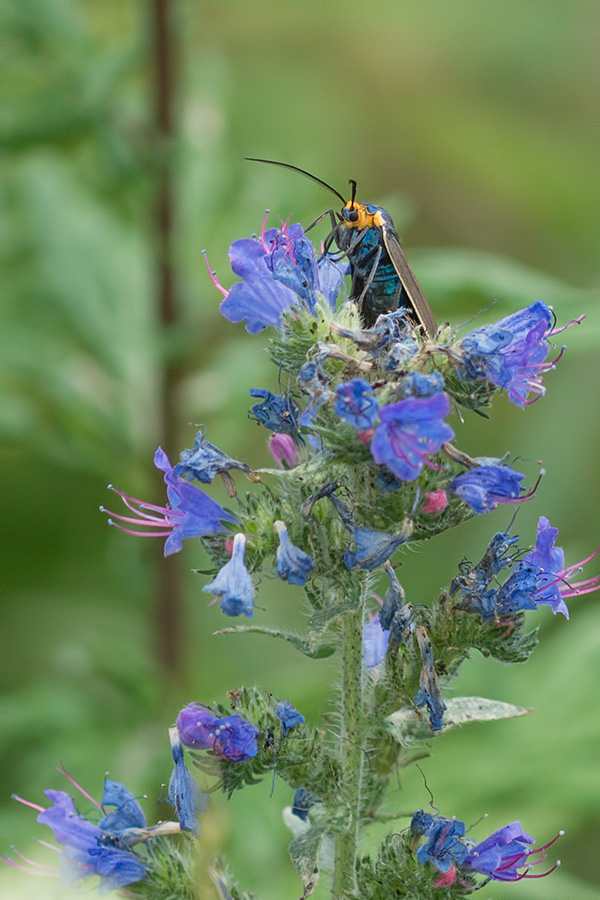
{"points": [[474, 124]]}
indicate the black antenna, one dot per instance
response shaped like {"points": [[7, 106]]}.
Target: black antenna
{"points": [[273, 162], [352, 183]]}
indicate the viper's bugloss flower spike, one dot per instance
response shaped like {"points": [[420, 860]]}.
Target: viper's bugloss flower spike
{"points": [[87, 849], [444, 846], [410, 431], [190, 513], [355, 402], [231, 737], [275, 412], [283, 450], [485, 487], [184, 795], [205, 461], [503, 853], [233, 583], [289, 717], [278, 271], [429, 691], [512, 353], [293, 564]]}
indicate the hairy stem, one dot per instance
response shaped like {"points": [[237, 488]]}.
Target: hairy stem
{"points": [[351, 745]]}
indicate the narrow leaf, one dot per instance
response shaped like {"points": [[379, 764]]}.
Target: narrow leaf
{"points": [[304, 851], [313, 649], [408, 728]]}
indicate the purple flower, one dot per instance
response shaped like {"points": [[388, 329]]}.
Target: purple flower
{"points": [[231, 737], [410, 431], [283, 450], [205, 461], [279, 271], [233, 583], [504, 852], [88, 849], [355, 403], [184, 795], [553, 582], [276, 413], [444, 846], [485, 487], [511, 354], [375, 641], [288, 716], [293, 564], [429, 692], [190, 513]]}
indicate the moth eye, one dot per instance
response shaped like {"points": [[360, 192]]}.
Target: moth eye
{"points": [[353, 215]]}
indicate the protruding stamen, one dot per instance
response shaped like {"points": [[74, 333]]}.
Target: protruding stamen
{"points": [[213, 276], [70, 778], [27, 803]]}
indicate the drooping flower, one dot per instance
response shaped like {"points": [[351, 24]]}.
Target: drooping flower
{"points": [[485, 487], [283, 450], [314, 382], [190, 512], [233, 583], [416, 384], [503, 853], [356, 403], [410, 431], [512, 353], [289, 717], [293, 564], [375, 641], [429, 694], [444, 846], [184, 795], [89, 849], [553, 576], [278, 271], [275, 412], [231, 737], [396, 614], [205, 461], [373, 548], [302, 802]]}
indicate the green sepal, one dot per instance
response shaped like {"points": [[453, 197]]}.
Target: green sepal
{"points": [[311, 648], [170, 866], [225, 886], [408, 728]]}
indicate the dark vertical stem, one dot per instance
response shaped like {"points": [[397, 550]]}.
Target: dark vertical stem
{"points": [[169, 601]]}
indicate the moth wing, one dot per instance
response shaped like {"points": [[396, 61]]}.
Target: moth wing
{"points": [[409, 282]]}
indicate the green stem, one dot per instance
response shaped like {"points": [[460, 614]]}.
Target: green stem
{"points": [[351, 748]]}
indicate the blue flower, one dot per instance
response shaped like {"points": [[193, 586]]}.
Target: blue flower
{"points": [[205, 461], [302, 802], [288, 716], [184, 795], [88, 849], [375, 641], [279, 271], [485, 487], [444, 846], [293, 564], [233, 583], [312, 380], [190, 513], [418, 385], [429, 692], [231, 737], [276, 413], [355, 403], [373, 548], [511, 354], [395, 614], [410, 431], [503, 853]]}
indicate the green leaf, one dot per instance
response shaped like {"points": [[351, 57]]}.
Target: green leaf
{"points": [[408, 728], [304, 851], [313, 649]]}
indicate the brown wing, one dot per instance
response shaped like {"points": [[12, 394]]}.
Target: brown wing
{"points": [[409, 282]]}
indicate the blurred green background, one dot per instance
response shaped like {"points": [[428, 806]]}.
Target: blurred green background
{"points": [[476, 125]]}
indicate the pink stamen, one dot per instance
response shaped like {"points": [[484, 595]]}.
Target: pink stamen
{"points": [[44, 871], [47, 845], [70, 778], [576, 321], [27, 803], [148, 524], [524, 497], [140, 533], [213, 276], [127, 500], [30, 862]]}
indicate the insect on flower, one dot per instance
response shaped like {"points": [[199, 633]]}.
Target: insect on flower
{"points": [[382, 280]]}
